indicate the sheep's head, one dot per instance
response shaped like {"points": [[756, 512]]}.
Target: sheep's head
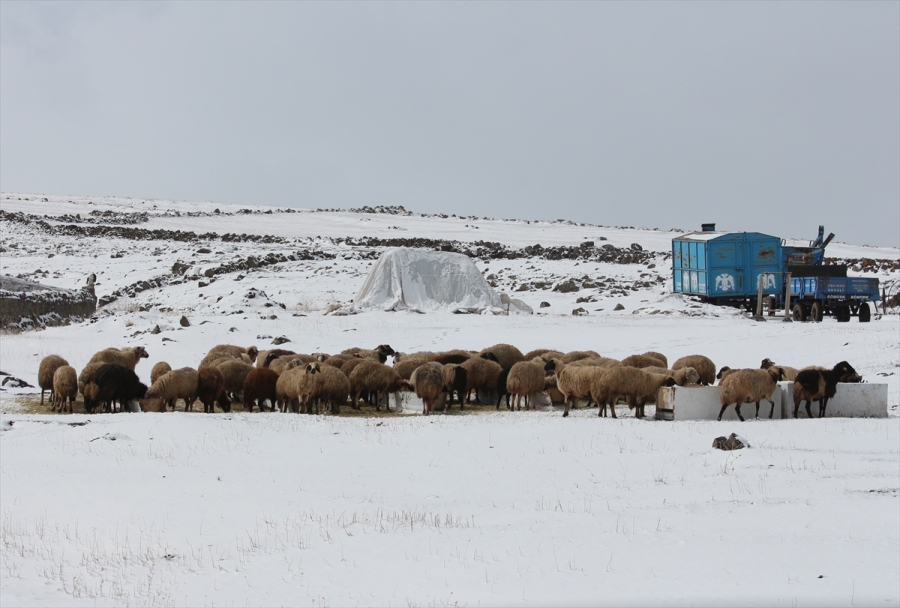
{"points": [[766, 363], [691, 376], [490, 357], [385, 349], [844, 368], [252, 352], [320, 357], [141, 352], [850, 378], [725, 369], [776, 373], [551, 365], [312, 368]]}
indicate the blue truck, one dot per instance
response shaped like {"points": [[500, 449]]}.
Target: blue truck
{"points": [[731, 268]]}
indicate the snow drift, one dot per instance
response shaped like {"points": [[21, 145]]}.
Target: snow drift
{"points": [[435, 281]]}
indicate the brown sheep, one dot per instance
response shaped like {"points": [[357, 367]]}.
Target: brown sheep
{"points": [[332, 389], [526, 379], [375, 378], [236, 351], [259, 385], [265, 357], [597, 362], [406, 366], [641, 361], [337, 360], [295, 386], [235, 373], [746, 386], [455, 381], [46, 369], [174, 385], [660, 356], [704, 366], [788, 373], [577, 355], [481, 374], [380, 353], [350, 365], [682, 376], [213, 359], [65, 388], [545, 353], [819, 385], [452, 356], [506, 355], [127, 357], [428, 382], [573, 381], [211, 389], [84, 377], [637, 387], [158, 370]]}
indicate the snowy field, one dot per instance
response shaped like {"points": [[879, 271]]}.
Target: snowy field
{"points": [[482, 508]]}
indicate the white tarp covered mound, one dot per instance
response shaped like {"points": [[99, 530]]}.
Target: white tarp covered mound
{"points": [[430, 281]]}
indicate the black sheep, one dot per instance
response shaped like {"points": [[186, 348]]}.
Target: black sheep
{"points": [[111, 383], [818, 385]]}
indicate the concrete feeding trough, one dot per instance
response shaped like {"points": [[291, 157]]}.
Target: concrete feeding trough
{"points": [[703, 403], [850, 401]]}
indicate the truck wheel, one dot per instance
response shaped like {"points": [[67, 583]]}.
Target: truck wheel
{"points": [[799, 313], [865, 313], [842, 314], [815, 312], [770, 306]]}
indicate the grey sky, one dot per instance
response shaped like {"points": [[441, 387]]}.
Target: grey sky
{"points": [[762, 116]]}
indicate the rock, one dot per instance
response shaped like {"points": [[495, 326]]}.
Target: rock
{"points": [[636, 247], [202, 284], [587, 244], [156, 330], [204, 250], [732, 443], [619, 307], [567, 286], [209, 272], [14, 382], [609, 246], [184, 321], [280, 340], [580, 312], [179, 268], [545, 304]]}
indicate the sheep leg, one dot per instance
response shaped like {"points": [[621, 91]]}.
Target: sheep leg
{"points": [[771, 411], [822, 405], [568, 401], [737, 410], [808, 412], [757, 410], [721, 411]]}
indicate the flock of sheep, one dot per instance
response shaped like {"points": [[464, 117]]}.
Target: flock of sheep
{"points": [[312, 383]]}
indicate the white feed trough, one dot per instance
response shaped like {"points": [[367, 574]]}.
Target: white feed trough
{"points": [[850, 401]]}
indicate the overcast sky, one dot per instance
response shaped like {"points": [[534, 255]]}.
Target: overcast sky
{"points": [[767, 116]]}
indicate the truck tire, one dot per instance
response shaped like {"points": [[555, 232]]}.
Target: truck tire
{"points": [[799, 313], [865, 313], [815, 312], [842, 313]]}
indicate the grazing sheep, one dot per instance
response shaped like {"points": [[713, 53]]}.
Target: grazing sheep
{"points": [[337, 360], [86, 373], [46, 369], [265, 357], [544, 353], [112, 382], [820, 385], [154, 405], [452, 356], [295, 386], [481, 374], [259, 385], [789, 373], [406, 366], [455, 381], [279, 364], [236, 351], [638, 387], [660, 356], [502, 391], [578, 355], [213, 359], [380, 353], [332, 388], [506, 355], [422, 354], [704, 366], [65, 388], [350, 365], [127, 357], [641, 361], [158, 370], [235, 373], [375, 378], [526, 378], [682, 376], [211, 390], [174, 385], [597, 362], [428, 383], [746, 386], [573, 381]]}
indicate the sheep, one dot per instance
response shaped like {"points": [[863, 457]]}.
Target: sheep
{"points": [[128, 357], [213, 359], [380, 353], [65, 388], [682, 376], [704, 366], [265, 357], [259, 385], [336, 360], [724, 373], [656, 355], [236, 351], [641, 361], [158, 370], [373, 377], [295, 386], [112, 382], [84, 377], [350, 365], [546, 353], [573, 381], [452, 356], [406, 366], [428, 382], [211, 390], [577, 355], [746, 386], [422, 354], [506, 355], [174, 385], [481, 374], [455, 381], [235, 372], [526, 378], [502, 391], [820, 385], [332, 388], [789, 373], [279, 364], [637, 386], [46, 369]]}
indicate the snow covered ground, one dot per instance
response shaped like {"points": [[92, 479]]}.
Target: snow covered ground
{"points": [[483, 508]]}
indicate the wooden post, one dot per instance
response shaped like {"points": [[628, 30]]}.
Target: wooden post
{"points": [[787, 297], [760, 281]]}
